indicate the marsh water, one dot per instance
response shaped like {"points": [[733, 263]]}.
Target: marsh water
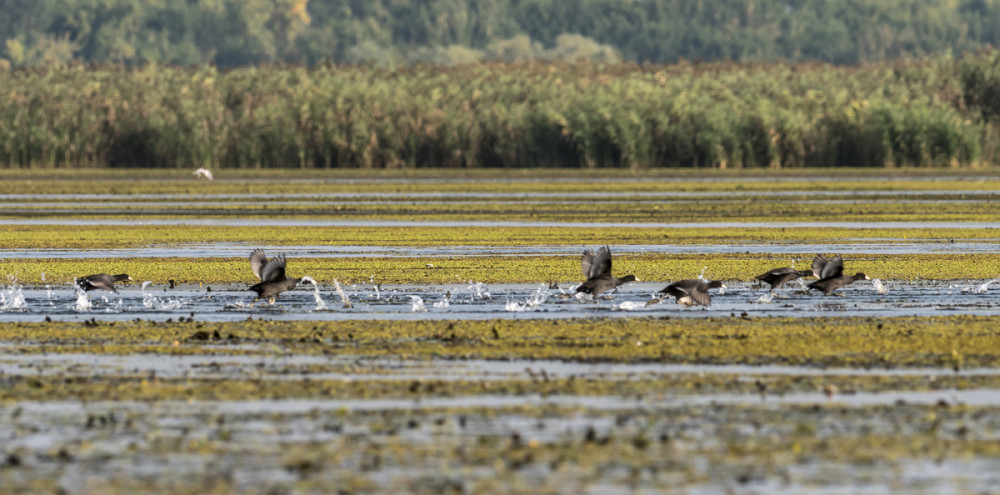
{"points": [[475, 300], [430, 443]]}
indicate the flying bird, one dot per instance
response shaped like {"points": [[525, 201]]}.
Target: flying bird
{"points": [[693, 291], [203, 173], [271, 273], [102, 281], [597, 270], [779, 276], [831, 275]]}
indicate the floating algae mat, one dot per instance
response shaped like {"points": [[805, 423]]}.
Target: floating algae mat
{"points": [[465, 364], [190, 406]]}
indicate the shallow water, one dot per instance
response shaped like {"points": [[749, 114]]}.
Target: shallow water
{"points": [[249, 440], [268, 365], [801, 250], [506, 301]]}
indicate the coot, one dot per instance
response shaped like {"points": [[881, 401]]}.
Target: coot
{"points": [[779, 276], [102, 281], [828, 285], [271, 273], [693, 291], [597, 269]]}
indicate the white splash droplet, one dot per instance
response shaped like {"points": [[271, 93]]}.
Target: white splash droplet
{"points": [[12, 299], [320, 305], [630, 306], [418, 305]]}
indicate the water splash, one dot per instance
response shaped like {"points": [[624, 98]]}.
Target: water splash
{"points": [[765, 298], [879, 288], [320, 305], [444, 302], [418, 305], [82, 299], [981, 288], [701, 276], [537, 299], [149, 301], [802, 284], [479, 290], [514, 306], [630, 306], [12, 299]]}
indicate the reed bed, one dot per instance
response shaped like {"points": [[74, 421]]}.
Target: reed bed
{"points": [[934, 111]]}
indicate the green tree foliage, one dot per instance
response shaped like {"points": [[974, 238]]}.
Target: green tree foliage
{"points": [[231, 33]]}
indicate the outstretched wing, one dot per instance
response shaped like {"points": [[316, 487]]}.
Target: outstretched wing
{"points": [[274, 270], [833, 268], [596, 265], [818, 263], [257, 261], [700, 294], [775, 274], [692, 288]]}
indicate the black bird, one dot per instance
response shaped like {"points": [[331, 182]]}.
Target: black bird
{"points": [[779, 276], [271, 273], [102, 281], [828, 285], [831, 274], [597, 269], [693, 291]]}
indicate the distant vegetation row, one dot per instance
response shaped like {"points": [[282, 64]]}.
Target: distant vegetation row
{"points": [[934, 111], [389, 33]]}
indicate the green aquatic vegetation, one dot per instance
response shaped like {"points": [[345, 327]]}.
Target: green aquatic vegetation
{"points": [[625, 212], [823, 342], [450, 181], [429, 271], [68, 236]]}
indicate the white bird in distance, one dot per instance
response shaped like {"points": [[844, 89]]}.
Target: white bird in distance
{"points": [[203, 172]]}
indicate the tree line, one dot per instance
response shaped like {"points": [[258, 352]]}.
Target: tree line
{"points": [[392, 33]]}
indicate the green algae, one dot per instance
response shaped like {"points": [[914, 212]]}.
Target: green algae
{"points": [[135, 236], [159, 181], [493, 269], [965, 341]]}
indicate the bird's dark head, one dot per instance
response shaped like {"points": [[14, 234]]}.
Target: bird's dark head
{"points": [[716, 284], [861, 276], [629, 278], [122, 278]]}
